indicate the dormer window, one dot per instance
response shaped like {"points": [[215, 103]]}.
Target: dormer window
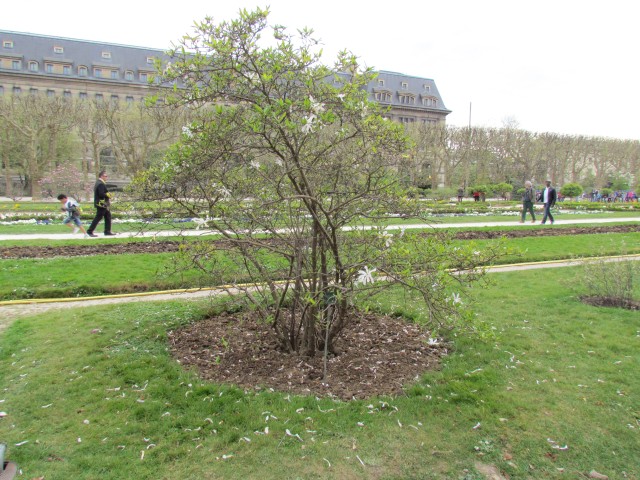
{"points": [[33, 66], [407, 99], [405, 85], [57, 49], [429, 102], [380, 82], [106, 55], [150, 60], [7, 44], [83, 71], [426, 88]]}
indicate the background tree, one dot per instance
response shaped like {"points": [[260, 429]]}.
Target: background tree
{"points": [[66, 178], [571, 190], [138, 131], [285, 146]]}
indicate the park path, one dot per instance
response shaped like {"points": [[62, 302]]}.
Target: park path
{"points": [[435, 224]]}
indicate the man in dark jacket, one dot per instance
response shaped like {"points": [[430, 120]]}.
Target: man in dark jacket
{"points": [[102, 202], [549, 200]]}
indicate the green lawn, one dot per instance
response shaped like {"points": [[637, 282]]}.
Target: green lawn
{"points": [[93, 393], [114, 274]]}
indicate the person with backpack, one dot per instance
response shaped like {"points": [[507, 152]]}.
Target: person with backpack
{"points": [[72, 220], [528, 199]]}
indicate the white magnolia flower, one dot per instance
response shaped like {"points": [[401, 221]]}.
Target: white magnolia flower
{"points": [[341, 96], [224, 192], [388, 239], [309, 123], [456, 298], [316, 107], [187, 131], [365, 276], [433, 341], [255, 164], [201, 222]]}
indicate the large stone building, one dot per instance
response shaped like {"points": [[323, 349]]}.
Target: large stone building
{"points": [[33, 64], [53, 66]]}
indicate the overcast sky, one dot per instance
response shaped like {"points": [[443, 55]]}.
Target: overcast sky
{"points": [[566, 66]]}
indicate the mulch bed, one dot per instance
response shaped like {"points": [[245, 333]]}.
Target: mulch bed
{"points": [[153, 246], [378, 355]]}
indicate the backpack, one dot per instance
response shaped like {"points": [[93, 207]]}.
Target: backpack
{"points": [[73, 208]]}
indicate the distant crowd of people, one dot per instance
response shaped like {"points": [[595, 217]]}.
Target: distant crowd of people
{"points": [[615, 196]]}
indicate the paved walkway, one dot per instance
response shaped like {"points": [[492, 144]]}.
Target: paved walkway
{"points": [[436, 224]]}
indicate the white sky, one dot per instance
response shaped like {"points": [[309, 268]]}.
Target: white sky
{"points": [[566, 66]]}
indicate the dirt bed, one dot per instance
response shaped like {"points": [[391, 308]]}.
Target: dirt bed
{"points": [[172, 246], [378, 355]]}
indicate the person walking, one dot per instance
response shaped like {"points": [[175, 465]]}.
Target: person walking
{"points": [[102, 202], [528, 199], [72, 219], [549, 199]]}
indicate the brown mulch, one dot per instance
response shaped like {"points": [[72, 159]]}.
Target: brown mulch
{"points": [[153, 246], [378, 355], [611, 302]]}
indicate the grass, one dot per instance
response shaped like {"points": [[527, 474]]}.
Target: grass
{"points": [[95, 394], [76, 276]]}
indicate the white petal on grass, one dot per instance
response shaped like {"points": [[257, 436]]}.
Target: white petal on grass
{"points": [[289, 434]]}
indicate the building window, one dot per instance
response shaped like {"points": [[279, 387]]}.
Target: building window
{"points": [[57, 49], [405, 85], [150, 60], [97, 72], [128, 75], [106, 55], [33, 66], [15, 65], [430, 102], [17, 90], [114, 98], [7, 44], [144, 77], [129, 99], [82, 95], [406, 99], [1, 90], [48, 67], [427, 88], [383, 97], [33, 91], [114, 74], [83, 71], [51, 93], [99, 97], [380, 82], [67, 94], [66, 69]]}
